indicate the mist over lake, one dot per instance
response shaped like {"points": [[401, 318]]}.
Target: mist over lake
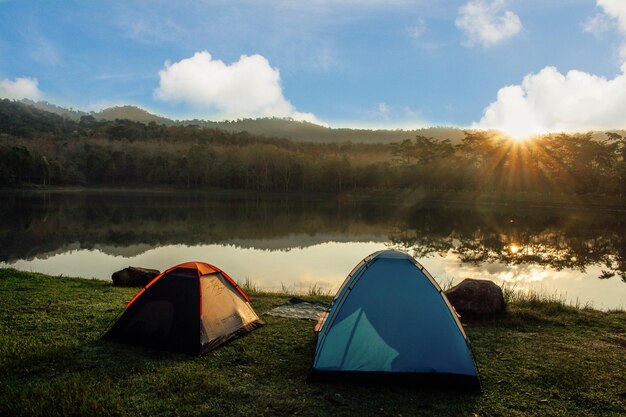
{"points": [[298, 243]]}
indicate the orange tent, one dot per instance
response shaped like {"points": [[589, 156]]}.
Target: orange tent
{"points": [[191, 308]]}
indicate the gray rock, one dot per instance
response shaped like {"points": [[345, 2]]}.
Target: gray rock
{"points": [[134, 276], [476, 297]]}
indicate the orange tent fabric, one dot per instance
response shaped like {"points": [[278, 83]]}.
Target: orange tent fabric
{"points": [[193, 308]]}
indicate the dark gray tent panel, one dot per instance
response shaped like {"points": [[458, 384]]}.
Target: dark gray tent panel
{"points": [[391, 321]]}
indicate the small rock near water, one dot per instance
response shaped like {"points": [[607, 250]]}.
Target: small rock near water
{"points": [[477, 297], [134, 276]]}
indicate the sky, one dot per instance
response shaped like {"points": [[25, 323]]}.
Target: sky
{"points": [[522, 66]]}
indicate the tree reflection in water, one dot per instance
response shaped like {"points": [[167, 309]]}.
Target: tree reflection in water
{"points": [[39, 224], [556, 238]]}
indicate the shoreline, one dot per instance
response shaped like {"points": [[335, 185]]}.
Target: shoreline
{"points": [[512, 294], [403, 197]]}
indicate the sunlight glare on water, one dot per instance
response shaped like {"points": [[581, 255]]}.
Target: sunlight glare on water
{"points": [[326, 265]]}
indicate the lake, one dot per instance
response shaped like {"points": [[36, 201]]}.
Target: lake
{"points": [[304, 243]]}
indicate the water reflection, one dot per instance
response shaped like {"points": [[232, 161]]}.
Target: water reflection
{"points": [[301, 242], [558, 239], [38, 224]]}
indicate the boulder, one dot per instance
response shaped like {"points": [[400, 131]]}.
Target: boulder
{"points": [[134, 276], [476, 297]]}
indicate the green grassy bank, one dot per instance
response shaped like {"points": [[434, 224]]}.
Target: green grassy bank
{"points": [[540, 358]]}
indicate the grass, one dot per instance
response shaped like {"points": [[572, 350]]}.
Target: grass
{"points": [[541, 298], [314, 290], [540, 358]]}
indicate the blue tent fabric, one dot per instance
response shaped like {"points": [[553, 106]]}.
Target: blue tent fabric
{"points": [[391, 319]]}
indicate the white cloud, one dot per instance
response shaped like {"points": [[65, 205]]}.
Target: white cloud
{"points": [[153, 26], [383, 110], [598, 25], [614, 15], [44, 51], [20, 88], [249, 87], [486, 23], [385, 116], [417, 30], [549, 101], [419, 34], [615, 9]]}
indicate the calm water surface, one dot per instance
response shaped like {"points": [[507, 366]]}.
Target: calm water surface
{"points": [[303, 243]]}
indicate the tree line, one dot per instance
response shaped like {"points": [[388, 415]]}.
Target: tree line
{"points": [[37, 147]]}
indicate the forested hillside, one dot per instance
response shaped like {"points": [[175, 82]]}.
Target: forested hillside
{"points": [[38, 147], [304, 131], [268, 126]]}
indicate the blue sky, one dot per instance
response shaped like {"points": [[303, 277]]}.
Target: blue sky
{"points": [[525, 66]]}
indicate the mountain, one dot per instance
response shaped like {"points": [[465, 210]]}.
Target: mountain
{"points": [[309, 132], [70, 113], [269, 126], [132, 113]]}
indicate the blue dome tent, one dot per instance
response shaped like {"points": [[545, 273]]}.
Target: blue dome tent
{"points": [[391, 322]]}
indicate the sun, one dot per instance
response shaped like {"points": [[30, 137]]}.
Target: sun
{"points": [[521, 132], [521, 136]]}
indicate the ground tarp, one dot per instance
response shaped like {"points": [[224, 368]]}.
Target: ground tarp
{"points": [[299, 309]]}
